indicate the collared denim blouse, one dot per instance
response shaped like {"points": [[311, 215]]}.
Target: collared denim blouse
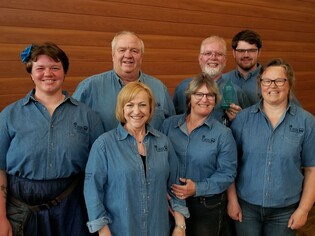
{"points": [[35, 145], [100, 93], [207, 155], [270, 159], [118, 193]]}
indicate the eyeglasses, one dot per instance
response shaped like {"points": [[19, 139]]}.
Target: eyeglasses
{"points": [[211, 53], [249, 51], [200, 95], [268, 82]]}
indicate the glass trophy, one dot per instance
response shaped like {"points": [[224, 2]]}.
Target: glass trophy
{"points": [[228, 95]]}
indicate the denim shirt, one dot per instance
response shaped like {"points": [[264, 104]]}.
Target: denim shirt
{"points": [[35, 145], [100, 93], [207, 155], [270, 159], [179, 99], [118, 191], [248, 85]]}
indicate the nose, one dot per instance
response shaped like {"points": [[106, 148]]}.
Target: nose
{"points": [[127, 53], [273, 83], [246, 53], [204, 97], [136, 109], [47, 72]]}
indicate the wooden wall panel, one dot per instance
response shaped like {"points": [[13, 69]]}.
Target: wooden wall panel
{"points": [[171, 30]]}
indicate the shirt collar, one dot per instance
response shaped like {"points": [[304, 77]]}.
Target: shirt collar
{"points": [[209, 121], [258, 107], [122, 133], [121, 83], [30, 97], [251, 74]]}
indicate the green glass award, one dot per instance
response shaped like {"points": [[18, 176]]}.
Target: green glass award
{"points": [[228, 95]]}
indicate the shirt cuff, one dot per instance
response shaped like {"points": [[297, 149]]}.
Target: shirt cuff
{"points": [[97, 224]]}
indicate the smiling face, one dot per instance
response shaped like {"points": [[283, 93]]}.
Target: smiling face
{"points": [[273, 94], [245, 59], [137, 111], [48, 75], [127, 56], [204, 106], [212, 59]]}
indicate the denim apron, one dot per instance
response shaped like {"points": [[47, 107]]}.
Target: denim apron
{"points": [[35, 208]]}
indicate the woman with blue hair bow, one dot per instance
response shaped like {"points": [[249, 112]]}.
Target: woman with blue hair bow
{"points": [[45, 141]]}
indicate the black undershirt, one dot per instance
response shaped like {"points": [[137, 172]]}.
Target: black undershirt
{"points": [[143, 160]]}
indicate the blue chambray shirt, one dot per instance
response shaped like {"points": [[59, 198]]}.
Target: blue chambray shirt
{"points": [[100, 93], [207, 155], [270, 159], [179, 98], [248, 85], [118, 193], [35, 145]]}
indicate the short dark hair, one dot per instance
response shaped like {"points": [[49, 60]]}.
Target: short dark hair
{"points": [[248, 36], [48, 49]]}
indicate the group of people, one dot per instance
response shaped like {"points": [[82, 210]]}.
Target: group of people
{"points": [[120, 157]]}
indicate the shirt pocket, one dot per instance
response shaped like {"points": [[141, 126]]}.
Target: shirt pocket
{"points": [[293, 136], [79, 133]]}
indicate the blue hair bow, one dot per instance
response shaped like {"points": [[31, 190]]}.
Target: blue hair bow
{"points": [[26, 53]]}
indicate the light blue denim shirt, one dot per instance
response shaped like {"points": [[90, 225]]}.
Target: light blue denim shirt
{"points": [[270, 159], [35, 145], [248, 85], [118, 192], [218, 113], [207, 155], [100, 93]]}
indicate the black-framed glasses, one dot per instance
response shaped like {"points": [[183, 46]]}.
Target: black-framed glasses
{"points": [[213, 53], [249, 51], [200, 95], [267, 82]]}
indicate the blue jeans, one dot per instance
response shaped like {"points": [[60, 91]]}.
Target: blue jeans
{"points": [[264, 221], [206, 215]]}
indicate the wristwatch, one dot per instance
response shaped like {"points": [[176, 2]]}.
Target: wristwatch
{"points": [[182, 227]]}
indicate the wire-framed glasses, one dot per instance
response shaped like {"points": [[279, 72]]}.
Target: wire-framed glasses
{"points": [[213, 53]]}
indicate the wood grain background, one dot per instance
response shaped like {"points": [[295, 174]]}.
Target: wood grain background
{"points": [[172, 31]]}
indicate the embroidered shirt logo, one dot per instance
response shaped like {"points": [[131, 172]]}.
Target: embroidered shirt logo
{"points": [[160, 149], [207, 140], [80, 128], [296, 130]]}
